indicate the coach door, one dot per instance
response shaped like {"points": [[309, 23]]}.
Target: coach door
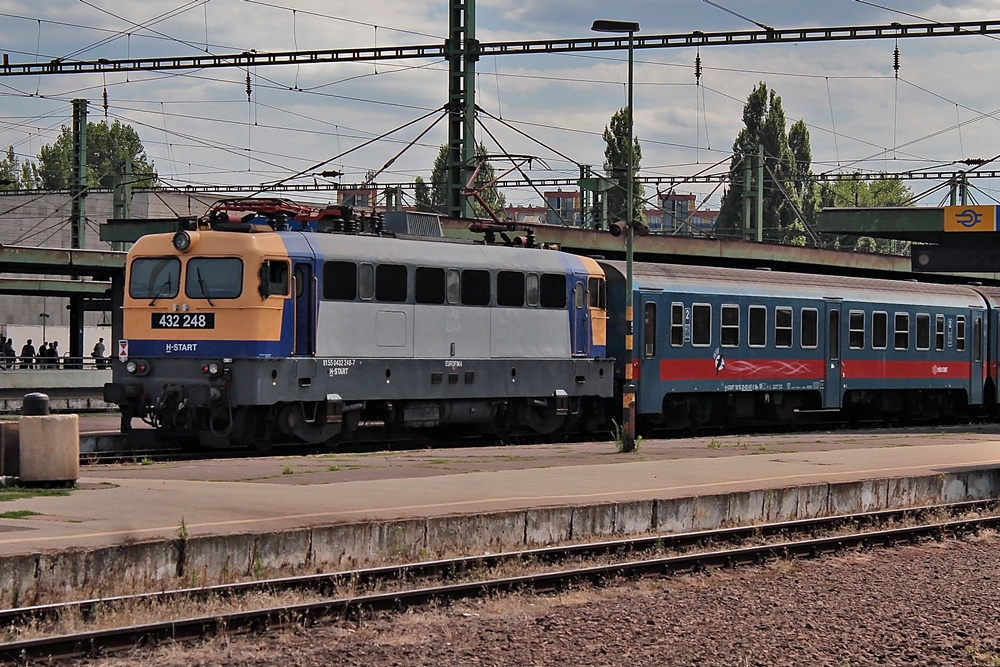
{"points": [[978, 367], [305, 307], [832, 391]]}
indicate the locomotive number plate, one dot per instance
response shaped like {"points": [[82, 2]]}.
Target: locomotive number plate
{"points": [[183, 320]]}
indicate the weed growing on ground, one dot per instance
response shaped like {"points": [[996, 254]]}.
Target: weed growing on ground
{"points": [[287, 470], [20, 492], [182, 531], [333, 469], [17, 514], [715, 443]]}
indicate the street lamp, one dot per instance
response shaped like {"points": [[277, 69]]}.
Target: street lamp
{"points": [[628, 390]]}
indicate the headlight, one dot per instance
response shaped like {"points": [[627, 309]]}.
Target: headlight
{"points": [[212, 368], [131, 367], [137, 367], [183, 240]]}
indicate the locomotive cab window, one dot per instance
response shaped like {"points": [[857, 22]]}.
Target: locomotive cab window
{"points": [[578, 296], [809, 328], [701, 324], [782, 327], [214, 278], [273, 278], [366, 281], [902, 331], [597, 293], [510, 288], [476, 288], [923, 331], [730, 333], [531, 289], [856, 331], [390, 283], [880, 330], [454, 286], [758, 326], [939, 332], [154, 278], [429, 285], [340, 281], [960, 333], [676, 324]]}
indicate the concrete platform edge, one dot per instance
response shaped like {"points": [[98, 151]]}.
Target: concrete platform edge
{"points": [[203, 560]]}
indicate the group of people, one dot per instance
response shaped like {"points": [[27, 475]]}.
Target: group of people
{"points": [[47, 356]]}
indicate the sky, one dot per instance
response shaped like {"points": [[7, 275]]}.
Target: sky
{"points": [[199, 128]]}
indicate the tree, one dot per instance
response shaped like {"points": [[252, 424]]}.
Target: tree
{"points": [[422, 195], [438, 201], [787, 160], [616, 152], [17, 175], [106, 145], [862, 193]]}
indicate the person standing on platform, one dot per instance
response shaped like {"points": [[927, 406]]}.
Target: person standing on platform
{"points": [[42, 358], [9, 353], [54, 354], [28, 355], [98, 354]]}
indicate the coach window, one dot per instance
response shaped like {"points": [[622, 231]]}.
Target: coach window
{"points": [[366, 281], [390, 283], [454, 286], [429, 285], [649, 329], [782, 327], [553, 290], [676, 324], [510, 288], [154, 278], [730, 326], [340, 281], [757, 336], [856, 334], [939, 332], [880, 331], [902, 331], [809, 328], [923, 331], [960, 333], [701, 324], [214, 278], [531, 289]]}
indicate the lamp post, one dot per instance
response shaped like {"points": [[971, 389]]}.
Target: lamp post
{"points": [[628, 389]]}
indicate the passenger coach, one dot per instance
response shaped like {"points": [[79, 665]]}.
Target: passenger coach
{"points": [[727, 345]]}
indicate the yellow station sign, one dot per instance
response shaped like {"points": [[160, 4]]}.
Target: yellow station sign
{"points": [[970, 219]]}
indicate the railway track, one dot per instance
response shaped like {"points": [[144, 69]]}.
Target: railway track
{"points": [[357, 594]]}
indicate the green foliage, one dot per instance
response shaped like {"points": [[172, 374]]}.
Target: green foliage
{"points": [[422, 195], [618, 434], [106, 145], [182, 531], [16, 174], [20, 492], [437, 201], [17, 514], [616, 153], [787, 186], [858, 193], [287, 470]]}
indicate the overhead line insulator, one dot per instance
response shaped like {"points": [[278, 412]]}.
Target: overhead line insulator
{"points": [[895, 60]]}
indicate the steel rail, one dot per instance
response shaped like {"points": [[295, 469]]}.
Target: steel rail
{"points": [[92, 643]]}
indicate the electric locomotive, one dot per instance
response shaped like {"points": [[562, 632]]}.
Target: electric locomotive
{"points": [[241, 333]]}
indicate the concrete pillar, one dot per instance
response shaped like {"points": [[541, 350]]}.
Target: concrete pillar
{"points": [[50, 448]]}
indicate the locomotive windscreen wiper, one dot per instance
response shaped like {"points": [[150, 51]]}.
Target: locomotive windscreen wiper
{"points": [[165, 288], [204, 290]]}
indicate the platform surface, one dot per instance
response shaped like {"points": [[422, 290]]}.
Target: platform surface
{"points": [[119, 504]]}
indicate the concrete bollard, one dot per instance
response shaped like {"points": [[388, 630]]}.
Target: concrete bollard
{"points": [[49, 448], [34, 404]]}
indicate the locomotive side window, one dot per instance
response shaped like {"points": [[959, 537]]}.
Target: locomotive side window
{"points": [[553, 290], [454, 286], [676, 324], [939, 332], [923, 331], [856, 334], [390, 283], [960, 333], [510, 288], [578, 296], [902, 331], [809, 327], [701, 324], [366, 281], [214, 278], [340, 281], [649, 329], [758, 326], [597, 290], [730, 326], [782, 327], [880, 331], [273, 278], [531, 289], [476, 288], [429, 285], [154, 278]]}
